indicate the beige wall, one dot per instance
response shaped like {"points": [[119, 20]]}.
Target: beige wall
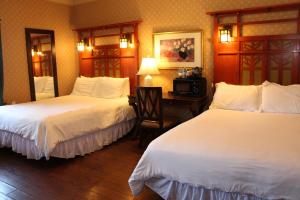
{"points": [[164, 15], [157, 16], [15, 16]]}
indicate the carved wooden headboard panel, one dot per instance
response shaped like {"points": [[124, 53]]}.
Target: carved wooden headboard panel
{"points": [[107, 58], [253, 59]]}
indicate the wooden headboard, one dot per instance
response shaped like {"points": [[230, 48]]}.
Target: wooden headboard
{"points": [[107, 58], [253, 59]]}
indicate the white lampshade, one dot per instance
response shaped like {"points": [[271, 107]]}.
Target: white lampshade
{"points": [[148, 67]]}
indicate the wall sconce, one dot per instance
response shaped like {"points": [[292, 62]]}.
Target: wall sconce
{"points": [[225, 34], [126, 41], [85, 43], [32, 52], [36, 51], [80, 46], [89, 47], [123, 42]]}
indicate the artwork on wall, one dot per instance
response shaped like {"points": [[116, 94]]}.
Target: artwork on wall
{"points": [[178, 49]]}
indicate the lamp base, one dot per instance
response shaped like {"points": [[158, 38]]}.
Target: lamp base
{"points": [[148, 81]]}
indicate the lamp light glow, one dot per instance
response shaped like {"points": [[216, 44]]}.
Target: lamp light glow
{"points": [[148, 68]]}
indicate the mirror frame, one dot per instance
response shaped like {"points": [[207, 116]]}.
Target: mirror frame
{"points": [[29, 31]]}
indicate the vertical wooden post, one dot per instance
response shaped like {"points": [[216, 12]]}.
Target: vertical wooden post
{"points": [[215, 43], [297, 55], [239, 33], [137, 57]]}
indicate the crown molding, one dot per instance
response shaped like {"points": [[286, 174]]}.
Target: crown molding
{"points": [[71, 2]]}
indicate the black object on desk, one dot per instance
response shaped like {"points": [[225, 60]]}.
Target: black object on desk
{"points": [[193, 87]]}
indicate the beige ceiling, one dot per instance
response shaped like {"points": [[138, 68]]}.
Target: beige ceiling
{"points": [[71, 2]]}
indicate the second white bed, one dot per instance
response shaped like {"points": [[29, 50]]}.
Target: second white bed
{"points": [[43, 128], [224, 154]]}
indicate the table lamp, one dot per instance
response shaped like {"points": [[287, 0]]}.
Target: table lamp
{"points": [[148, 68]]}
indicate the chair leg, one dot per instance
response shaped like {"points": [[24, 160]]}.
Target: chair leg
{"points": [[136, 131], [141, 137]]}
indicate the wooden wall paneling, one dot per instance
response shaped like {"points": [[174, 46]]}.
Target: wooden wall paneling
{"points": [[265, 67], [111, 60], [225, 68], [239, 33], [257, 56], [129, 59], [86, 64], [137, 55], [216, 41], [297, 56]]}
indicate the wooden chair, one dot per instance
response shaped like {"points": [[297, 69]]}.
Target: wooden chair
{"points": [[151, 121]]}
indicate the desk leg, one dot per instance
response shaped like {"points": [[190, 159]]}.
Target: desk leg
{"points": [[197, 108], [194, 108]]}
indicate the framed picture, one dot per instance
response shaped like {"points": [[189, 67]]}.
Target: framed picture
{"points": [[178, 49]]}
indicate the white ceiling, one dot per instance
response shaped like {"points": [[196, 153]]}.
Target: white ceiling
{"points": [[71, 2]]}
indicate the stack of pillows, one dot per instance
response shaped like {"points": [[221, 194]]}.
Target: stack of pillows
{"points": [[101, 87], [268, 97]]}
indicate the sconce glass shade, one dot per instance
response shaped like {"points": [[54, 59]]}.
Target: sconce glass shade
{"points": [[225, 35], [90, 45], [89, 48], [32, 52], [35, 51], [80, 46], [123, 42], [39, 53]]}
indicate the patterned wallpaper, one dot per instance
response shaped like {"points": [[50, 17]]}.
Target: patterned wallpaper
{"points": [[157, 16], [15, 16], [168, 15]]}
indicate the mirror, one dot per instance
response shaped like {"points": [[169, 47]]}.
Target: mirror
{"points": [[40, 46]]}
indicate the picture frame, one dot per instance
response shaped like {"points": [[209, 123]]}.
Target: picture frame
{"points": [[180, 49]]}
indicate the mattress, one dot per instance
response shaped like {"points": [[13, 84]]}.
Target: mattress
{"points": [[52, 121], [229, 152]]}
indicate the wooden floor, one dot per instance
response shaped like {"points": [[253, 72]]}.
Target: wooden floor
{"points": [[101, 175]]}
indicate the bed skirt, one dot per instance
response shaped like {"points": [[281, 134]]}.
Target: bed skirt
{"points": [[68, 149], [174, 190]]}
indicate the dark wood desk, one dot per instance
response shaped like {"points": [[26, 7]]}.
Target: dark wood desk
{"points": [[196, 104]]}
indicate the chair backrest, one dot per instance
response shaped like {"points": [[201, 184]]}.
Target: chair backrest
{"points": [[149, 103]]}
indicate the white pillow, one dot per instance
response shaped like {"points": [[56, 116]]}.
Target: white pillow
{"points": [[280, 99], [49, 86], [108, 87], [39, 84], [84, 86], [236, 97]]}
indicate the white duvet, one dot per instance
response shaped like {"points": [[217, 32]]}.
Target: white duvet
{"points": [[232, 151], [51, 121]]}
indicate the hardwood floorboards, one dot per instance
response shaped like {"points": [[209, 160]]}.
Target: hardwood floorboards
{"points": [[100, 175]]}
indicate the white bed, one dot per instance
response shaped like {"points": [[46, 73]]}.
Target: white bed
{"points": [[65, 126], [226, 154]]}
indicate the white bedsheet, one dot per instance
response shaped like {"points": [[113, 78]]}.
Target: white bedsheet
{"points": [[232, 151], [48, 122], [42, 95]]}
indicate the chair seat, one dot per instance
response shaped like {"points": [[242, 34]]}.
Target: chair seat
{"points": [[168, 123]]}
